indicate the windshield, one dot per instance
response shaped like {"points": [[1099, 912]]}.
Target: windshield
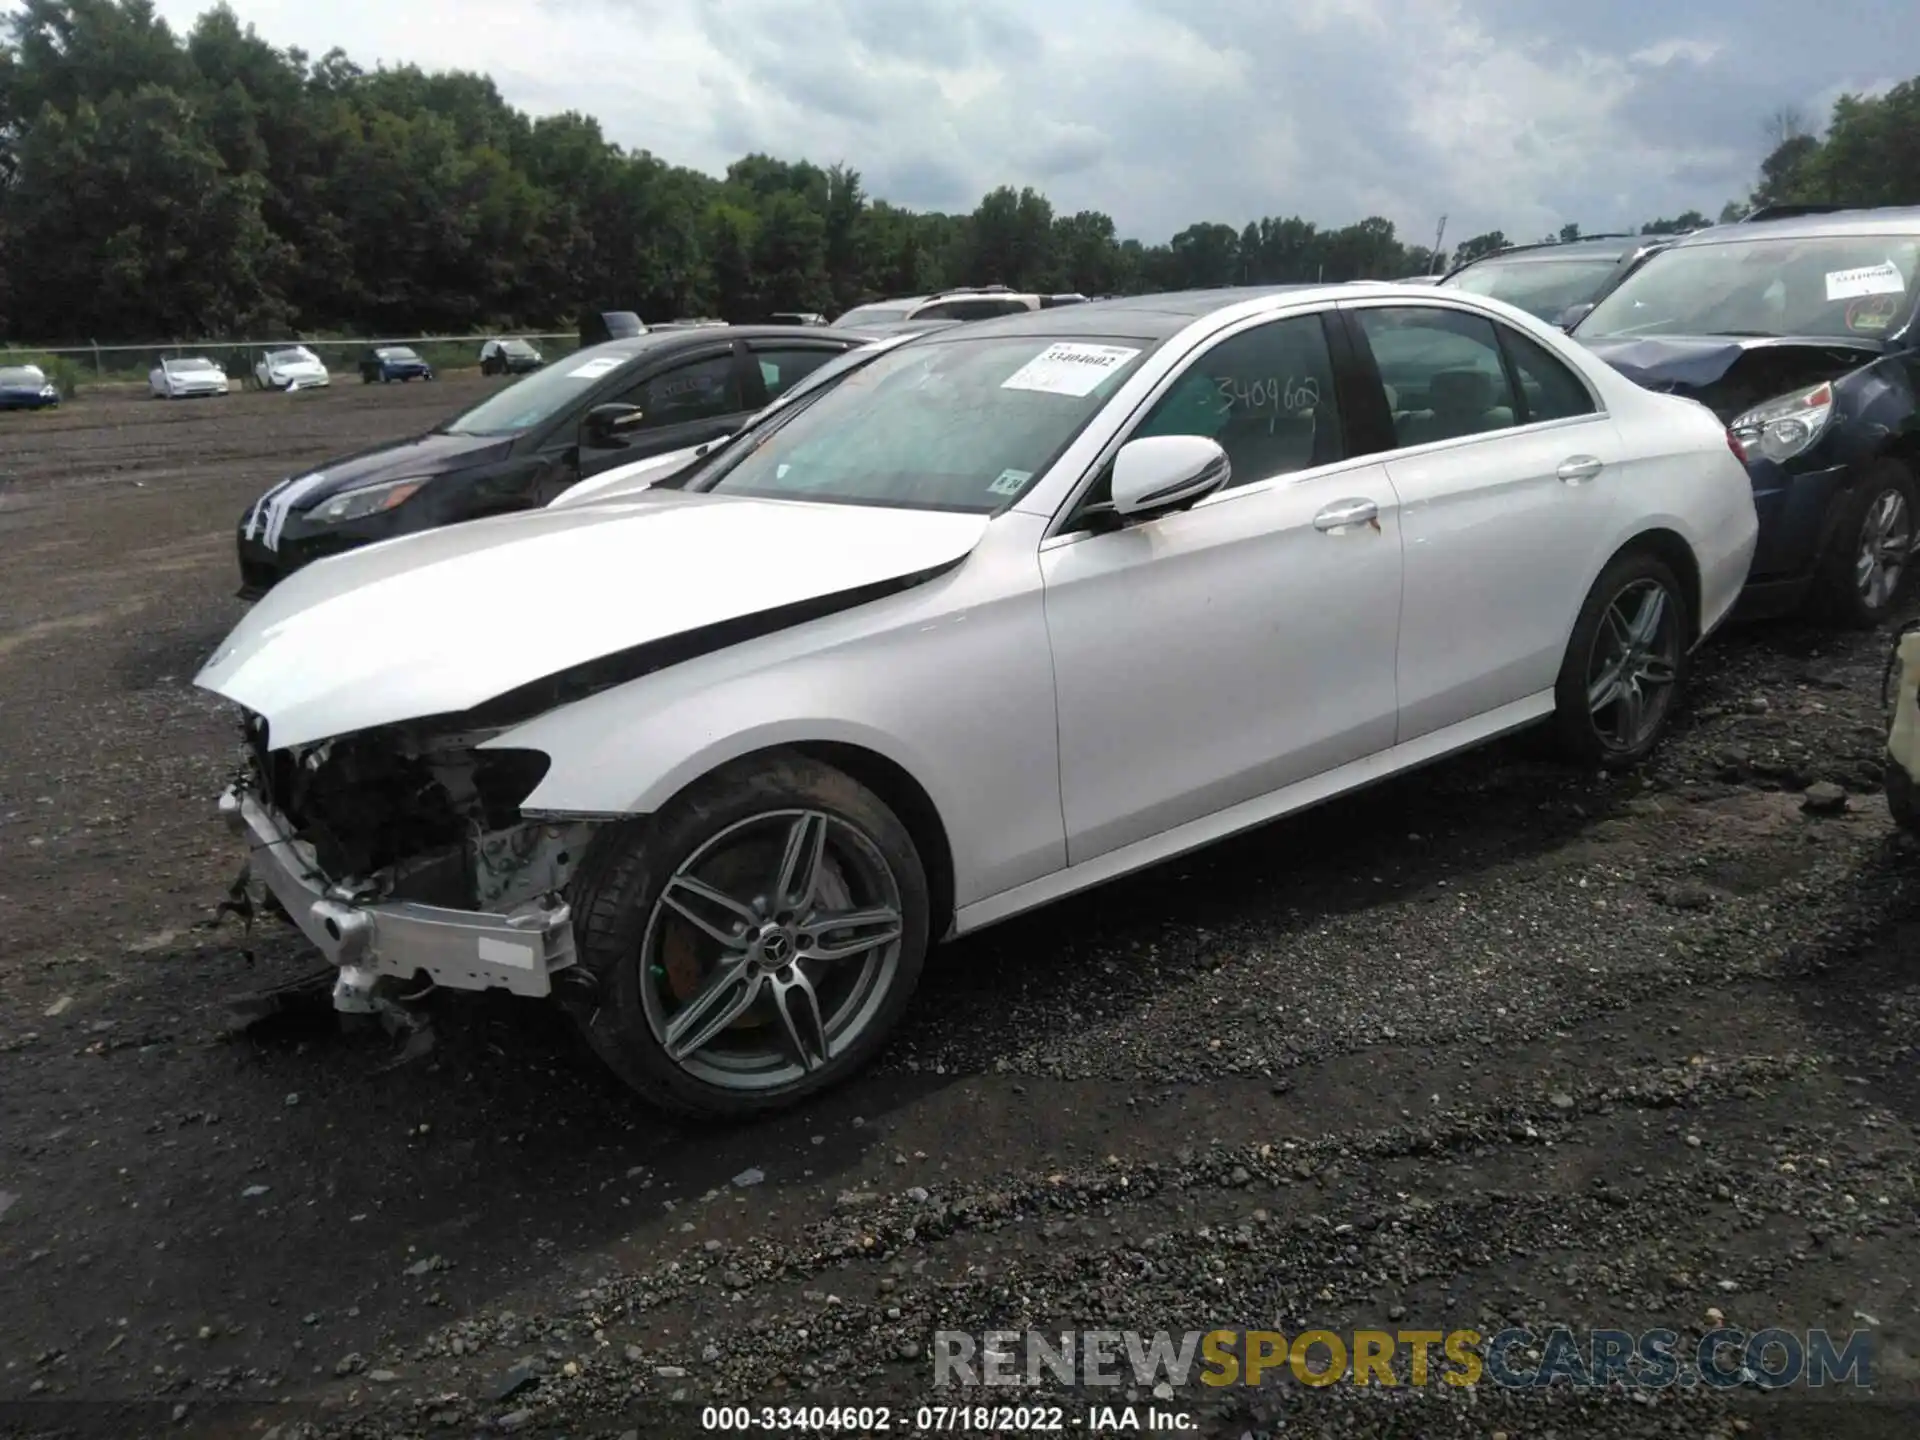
{"points": [[290, 357], [963, 425], [1543, 288], [22, 375], [516, 347], [195, 365], [1839, 286], [873, 315], [529, 403], [396, 352]]}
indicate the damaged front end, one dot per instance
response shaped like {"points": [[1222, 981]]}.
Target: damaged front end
{"points": [[401, 852]]}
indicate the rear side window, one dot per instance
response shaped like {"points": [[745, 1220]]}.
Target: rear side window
{"points": [[1442, 370], [1548, 389], [779, 369]]}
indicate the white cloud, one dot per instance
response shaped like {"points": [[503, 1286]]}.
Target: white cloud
{"points": [[1665, 52], [1160, 112]]}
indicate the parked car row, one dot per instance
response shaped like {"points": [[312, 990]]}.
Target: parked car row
{"points": [[983, 302]]}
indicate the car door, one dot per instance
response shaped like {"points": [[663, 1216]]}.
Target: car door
{"points": [[1499, 453], [1210, 656], [695, 397]]}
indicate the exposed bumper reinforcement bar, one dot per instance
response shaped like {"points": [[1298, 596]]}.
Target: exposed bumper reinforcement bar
{"points": [[460, 949]]}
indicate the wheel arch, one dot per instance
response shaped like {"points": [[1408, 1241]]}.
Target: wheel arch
{"points": [[907, 798], [886, 777], [1672, 549]]}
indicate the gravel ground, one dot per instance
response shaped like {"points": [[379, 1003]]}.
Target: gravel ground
{"points": [[1499, 1044]]}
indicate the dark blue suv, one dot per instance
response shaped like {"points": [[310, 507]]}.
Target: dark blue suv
{"points": [[1800, 334]]}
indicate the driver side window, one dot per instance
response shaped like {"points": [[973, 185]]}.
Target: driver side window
{"points": [[699, 390], [1266, 395]]}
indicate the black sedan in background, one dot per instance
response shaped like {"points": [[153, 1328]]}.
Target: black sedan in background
{"points": [[386, 363], [509, 357], [607, 405]]}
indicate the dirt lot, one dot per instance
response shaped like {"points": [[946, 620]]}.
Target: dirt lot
{"points": [[1496, 1045]]}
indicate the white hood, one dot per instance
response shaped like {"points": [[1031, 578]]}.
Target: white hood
{"points": [[435, 623]]}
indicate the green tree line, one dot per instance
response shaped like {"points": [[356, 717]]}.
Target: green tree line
{"points": [[211, 185]]}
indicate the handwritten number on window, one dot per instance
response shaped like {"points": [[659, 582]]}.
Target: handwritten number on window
{"points": [[1273, 392]]}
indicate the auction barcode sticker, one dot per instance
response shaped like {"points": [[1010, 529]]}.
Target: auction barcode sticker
{"points": [[1881, 279], [1069, 368]]}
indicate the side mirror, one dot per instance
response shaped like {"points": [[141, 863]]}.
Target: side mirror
{"points": [[1166, 472], [1573, 315], [600, 428]]}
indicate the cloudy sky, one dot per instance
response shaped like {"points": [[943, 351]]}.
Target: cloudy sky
{"points": [[1518, 114]]}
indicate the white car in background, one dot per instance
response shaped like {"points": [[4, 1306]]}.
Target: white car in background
{"points": [[294, 368], [1015, 609], [190, 375]]}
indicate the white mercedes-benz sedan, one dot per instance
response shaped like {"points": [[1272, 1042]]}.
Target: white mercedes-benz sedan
{"points": [[1014, 609]]}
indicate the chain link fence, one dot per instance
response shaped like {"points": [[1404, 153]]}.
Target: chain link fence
{"points": [[99, 364]]}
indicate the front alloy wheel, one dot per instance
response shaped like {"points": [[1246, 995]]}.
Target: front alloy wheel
{"points": [[1624, 663], [755, 942], [770, 949]]}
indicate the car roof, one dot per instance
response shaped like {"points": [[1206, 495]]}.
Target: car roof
{"points": [[1878, 220], [699, 337], [1146, 317], [1611, 247]]}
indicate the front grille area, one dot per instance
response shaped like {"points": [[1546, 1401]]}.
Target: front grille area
{"points": [[368, 802]]}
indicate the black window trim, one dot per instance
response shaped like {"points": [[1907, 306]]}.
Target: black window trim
{"points": [[754, 384], [1069, 521], [563, 431], [1383, 436]]}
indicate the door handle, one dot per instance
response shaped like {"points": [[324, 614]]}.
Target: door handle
{"points": [[1343, 514], [1580, 469]]}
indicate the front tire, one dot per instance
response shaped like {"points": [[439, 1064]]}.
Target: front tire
{"points": [[1872, 541], [1624, 663], [754, 942]]}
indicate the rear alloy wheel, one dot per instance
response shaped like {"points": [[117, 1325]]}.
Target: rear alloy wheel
{"points": [[1622, 673], [755, 943], [1872, 545]]}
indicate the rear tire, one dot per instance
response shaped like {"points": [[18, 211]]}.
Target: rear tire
{"points": [[1868, 551], [757, 1016], [1625, 663]]}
